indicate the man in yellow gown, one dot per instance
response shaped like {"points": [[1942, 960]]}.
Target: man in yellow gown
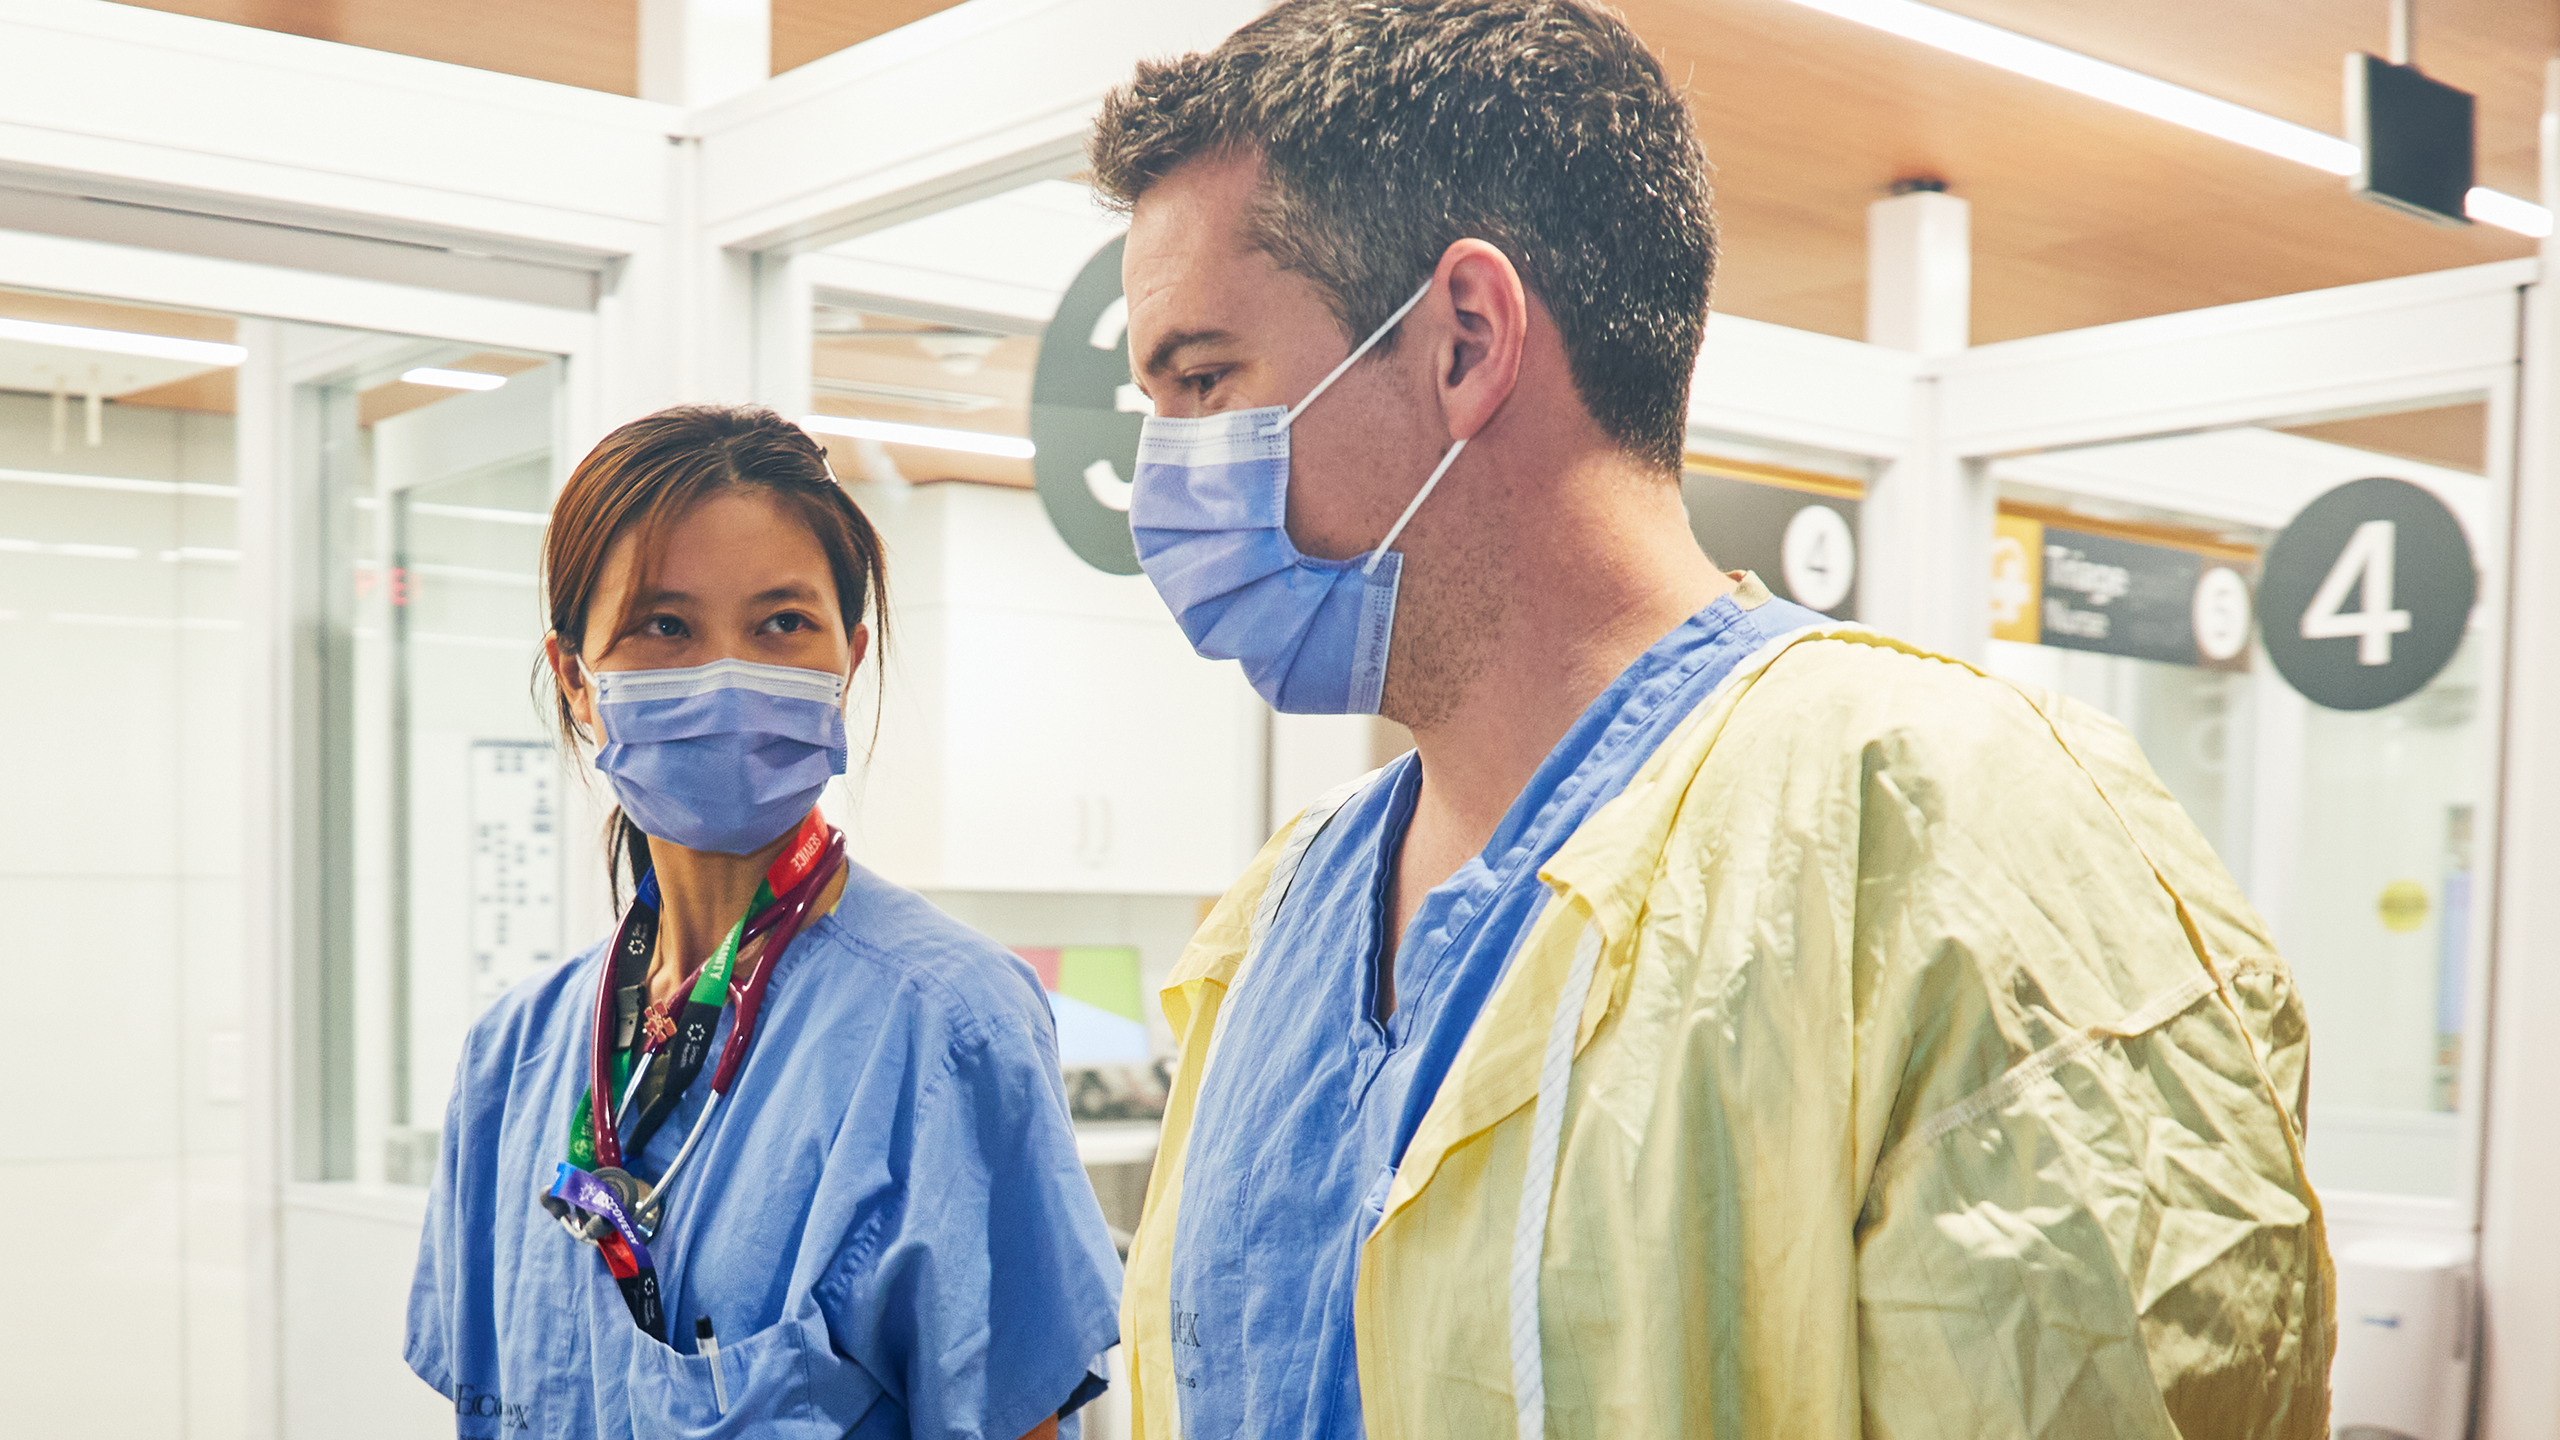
{"points": [[1726, 1023]]}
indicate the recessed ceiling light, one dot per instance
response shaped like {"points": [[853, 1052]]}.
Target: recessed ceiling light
{"points": [[123, 342], [2157, 98], [453, 379], [890, 432], [2492, 207]]}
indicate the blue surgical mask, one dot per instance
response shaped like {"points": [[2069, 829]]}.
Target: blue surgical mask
{"points": [[724, 757], [1210, 513]]}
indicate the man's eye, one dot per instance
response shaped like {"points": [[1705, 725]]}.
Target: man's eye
{"points": [[1202, 384]]}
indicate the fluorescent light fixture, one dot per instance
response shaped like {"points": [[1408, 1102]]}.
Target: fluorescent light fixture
{"points": [[2493, 207], [2159, 99], [13, 546], [453, 379], [535, 518], [116, 482], [123, 342], [889, 432], [2097, 79]]}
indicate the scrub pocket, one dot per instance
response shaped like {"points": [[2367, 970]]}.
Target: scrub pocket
{"points": [[784, 1380]]}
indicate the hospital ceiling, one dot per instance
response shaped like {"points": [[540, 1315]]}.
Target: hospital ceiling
{"points": [[2082, 213]]}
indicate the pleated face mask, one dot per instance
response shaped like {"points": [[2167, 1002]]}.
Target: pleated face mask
{"points": [[724, 757], [1210, 513]]}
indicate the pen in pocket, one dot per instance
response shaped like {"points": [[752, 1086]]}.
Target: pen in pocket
{"points": [[710, 1347]]}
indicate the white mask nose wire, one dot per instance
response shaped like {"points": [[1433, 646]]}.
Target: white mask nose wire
{"points": [[1353, 358], [1418, 497]]}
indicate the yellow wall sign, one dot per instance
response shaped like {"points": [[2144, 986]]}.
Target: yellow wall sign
{"points": [[2017, 579], [2403, 906]]}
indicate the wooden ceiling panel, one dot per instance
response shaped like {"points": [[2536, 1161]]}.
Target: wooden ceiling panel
{"points": [[105, 315], [2286, 57], [2083, 213], [592, 44], [806, 30], [215, 392], [2451, 435]]}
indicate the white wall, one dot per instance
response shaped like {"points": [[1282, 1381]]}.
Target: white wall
{"points": [[349, 1253], [119, 934], [1047, 728]]}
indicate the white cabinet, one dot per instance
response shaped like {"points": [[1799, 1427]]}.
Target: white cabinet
{"points": [[1045, 726]]}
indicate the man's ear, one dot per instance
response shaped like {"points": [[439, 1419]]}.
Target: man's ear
{"points": [[1482, 310]]}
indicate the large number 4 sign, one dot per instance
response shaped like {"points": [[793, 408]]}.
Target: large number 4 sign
{"points": [[2380, 562], [2365, 567]]}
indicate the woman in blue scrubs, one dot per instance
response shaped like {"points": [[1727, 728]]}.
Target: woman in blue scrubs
{"points": [[789, 1155]]}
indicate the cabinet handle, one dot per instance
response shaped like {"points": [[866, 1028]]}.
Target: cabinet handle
{"points": [[1093, 830]]}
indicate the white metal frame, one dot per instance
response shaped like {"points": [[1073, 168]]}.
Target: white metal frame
{"points": [[2395, 345], [2389, 345]]}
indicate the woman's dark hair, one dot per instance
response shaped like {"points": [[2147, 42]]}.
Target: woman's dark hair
{"points": [[644, 478]]}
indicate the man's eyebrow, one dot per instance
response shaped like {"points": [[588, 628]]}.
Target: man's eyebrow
{"points": [[1160, 359]]}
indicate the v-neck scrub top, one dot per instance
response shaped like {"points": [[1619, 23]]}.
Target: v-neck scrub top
{"points": [[1291, 1155], [887, 1225]]}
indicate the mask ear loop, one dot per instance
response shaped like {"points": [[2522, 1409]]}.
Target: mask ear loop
{"points": [[1353, 358], [1418, 497], [597, 690]]}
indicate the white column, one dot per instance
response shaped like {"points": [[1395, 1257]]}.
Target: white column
{"points": [[1926, 524], [691, 306], [696, 52], [784, 333], [268, 537], [1920, 272], [2520, 1170]]}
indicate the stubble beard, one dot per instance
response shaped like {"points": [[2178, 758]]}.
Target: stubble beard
{"points": [[1446, 632]]}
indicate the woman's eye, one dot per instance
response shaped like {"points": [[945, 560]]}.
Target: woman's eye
{"points": [[789, 624], [664, 627]]}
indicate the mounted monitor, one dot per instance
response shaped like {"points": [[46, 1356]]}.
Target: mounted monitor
{"points": [[2416, 135]]}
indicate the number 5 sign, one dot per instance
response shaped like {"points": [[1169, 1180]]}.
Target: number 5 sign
{"points": [[2366, 595]]}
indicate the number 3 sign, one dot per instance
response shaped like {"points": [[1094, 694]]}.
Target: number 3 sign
{"points": [[2366, 595]]}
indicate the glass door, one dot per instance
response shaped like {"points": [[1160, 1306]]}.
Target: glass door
{"points": [[2128, 575], [443, 787]]}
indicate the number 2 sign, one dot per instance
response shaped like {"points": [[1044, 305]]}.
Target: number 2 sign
{"points": [[2366, 595]]}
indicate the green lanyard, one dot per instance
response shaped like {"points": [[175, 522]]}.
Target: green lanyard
{"points": [[593, 1195]]}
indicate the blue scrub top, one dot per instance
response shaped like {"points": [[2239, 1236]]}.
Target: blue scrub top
{"points": [[886, 1221], [1291, 1152]]}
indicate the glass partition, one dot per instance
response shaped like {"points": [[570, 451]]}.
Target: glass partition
{"points": [[442, 867], [2362, 834], [120, 864]]}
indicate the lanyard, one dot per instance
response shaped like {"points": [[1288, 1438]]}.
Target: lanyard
{"points": [[594, 1197]]}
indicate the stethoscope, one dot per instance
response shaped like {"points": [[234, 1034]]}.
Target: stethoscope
{"points": [[595, 1203]]}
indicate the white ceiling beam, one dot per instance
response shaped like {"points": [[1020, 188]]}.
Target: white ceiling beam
{"points": [[240, 121], [699, 52], [982, 97], [1801, 388], [2246, 363]]}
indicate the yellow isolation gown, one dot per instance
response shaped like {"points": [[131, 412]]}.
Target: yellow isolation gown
{"points": [[1934, 1080]]}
